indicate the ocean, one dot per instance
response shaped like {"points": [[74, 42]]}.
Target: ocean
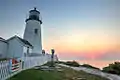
{"points": [[99, 64]]}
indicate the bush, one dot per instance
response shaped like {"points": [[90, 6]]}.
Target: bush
{"points": [[60, 62], [89, 66], [72, 63], [113, 68]]}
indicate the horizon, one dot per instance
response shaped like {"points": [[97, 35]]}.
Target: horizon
{"points": [[78, 30]]}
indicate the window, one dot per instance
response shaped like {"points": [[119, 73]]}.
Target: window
{"points": [[36, 31], [24, 49], [0, 55], [30, 50], [27, 50]]}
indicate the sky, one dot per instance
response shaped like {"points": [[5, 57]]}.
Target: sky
{"points": [[77, 29]]}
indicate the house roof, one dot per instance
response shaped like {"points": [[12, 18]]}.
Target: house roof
{"points": [[22, 40], [1, 39], [25, 41]]}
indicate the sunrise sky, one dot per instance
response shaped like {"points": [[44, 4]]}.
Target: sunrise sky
{"points": [[87, 30]]}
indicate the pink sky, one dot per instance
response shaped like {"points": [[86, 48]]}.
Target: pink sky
{"points": [[77, 29], [95, 48], [88, 46]]}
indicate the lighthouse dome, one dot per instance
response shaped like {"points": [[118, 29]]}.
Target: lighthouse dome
{"points": [[34, 15]]}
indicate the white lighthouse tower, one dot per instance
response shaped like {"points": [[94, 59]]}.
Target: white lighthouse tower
{"points": [[33, 31]]}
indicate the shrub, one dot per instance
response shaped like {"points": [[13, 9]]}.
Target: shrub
{"points": [[72, 63], [113, 68], [89, 66]]}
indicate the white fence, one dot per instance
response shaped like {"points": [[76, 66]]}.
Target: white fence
{"points": [[28, 62], [4, 69], [35, 61]]}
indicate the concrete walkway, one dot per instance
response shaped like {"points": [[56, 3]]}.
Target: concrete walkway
{"points": [[95, 72]]}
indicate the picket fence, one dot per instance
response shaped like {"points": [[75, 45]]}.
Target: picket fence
{"points": [[28, 62]]}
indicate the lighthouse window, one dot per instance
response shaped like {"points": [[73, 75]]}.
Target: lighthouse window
{"points": [[36, 31]]}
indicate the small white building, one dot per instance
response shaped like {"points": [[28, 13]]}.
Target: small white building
{"points": [[3, 47], [18, 47], [15, 47]]}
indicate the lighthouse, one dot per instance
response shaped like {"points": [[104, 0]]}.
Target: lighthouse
{"points": [[33, 31]]}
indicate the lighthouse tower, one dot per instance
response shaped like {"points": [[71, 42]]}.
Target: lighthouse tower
{"points": [[33, 31]]}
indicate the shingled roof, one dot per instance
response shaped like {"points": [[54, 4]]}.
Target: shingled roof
{"points": [[25, 41], [22, 40], [1, 39]]}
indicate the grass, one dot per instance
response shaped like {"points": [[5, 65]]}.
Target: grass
{"points": [[66, 74]]}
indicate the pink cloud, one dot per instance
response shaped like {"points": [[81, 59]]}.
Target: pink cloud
{"points": [[109, 55]]}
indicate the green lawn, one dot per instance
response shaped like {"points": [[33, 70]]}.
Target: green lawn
{"points": [[66, 74]]}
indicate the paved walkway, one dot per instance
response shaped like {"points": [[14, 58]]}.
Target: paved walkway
{"points": [[95, 72]]}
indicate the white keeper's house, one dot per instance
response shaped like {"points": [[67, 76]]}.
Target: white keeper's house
{"points": [[29, 45]]}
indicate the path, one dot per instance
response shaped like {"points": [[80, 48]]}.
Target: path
{"points": [[95, 72]]}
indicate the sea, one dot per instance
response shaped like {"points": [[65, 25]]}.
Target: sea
{"points": [[99, 64]]}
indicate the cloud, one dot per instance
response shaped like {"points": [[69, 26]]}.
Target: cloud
{"points": [[112, 55], [109, 56]]}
